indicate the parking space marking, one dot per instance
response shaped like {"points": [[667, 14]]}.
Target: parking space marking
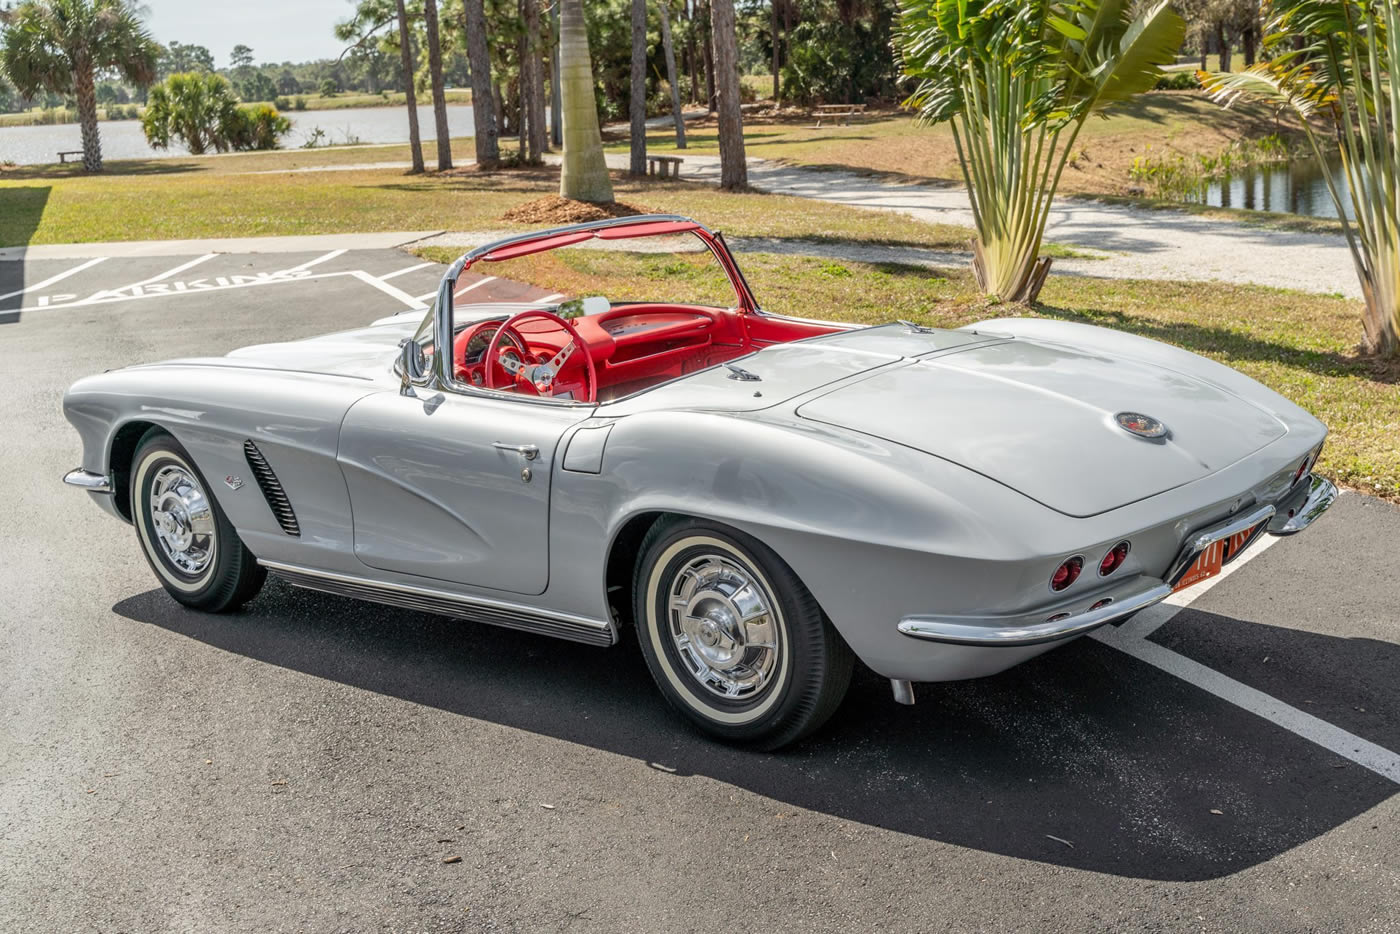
{"points": [[314, 262], [129, 293], [181, 268], [391, 290], [1132, 639], [552, 298], [401, 272], [52, 279], [1347, 745]]}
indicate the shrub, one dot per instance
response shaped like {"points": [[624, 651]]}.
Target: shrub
{"points": [[329, 88], [1178, 81], [282, 103], [199, 109], [298, 103]]}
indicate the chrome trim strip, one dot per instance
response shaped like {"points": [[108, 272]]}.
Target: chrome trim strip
{"points": [[1207, 537], [959, 631], [1322, 493], [87, 480], [476, 609]]}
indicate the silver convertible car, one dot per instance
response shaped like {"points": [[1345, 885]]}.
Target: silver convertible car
{"points": [[762, 499]]}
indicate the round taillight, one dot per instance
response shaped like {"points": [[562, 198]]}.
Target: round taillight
{"points": [[1114, 559], [1066, 573], [1102, 603]]}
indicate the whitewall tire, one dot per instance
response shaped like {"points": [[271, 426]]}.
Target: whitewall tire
{"points": [[189, 543], [733, 639]]}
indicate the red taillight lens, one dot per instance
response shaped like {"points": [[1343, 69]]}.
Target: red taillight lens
{"points": [[1114, 559], [1066, 573], [1303, 468]]}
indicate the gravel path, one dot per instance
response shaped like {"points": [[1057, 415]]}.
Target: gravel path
{"points": [[1135, 243]]}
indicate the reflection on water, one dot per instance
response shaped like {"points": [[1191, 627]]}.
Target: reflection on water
{"points": [[124, 139], [1298, 187]]}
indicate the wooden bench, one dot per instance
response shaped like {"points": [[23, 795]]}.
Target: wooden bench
{"points": [[842, 112], [664, 166], [63, 156]]}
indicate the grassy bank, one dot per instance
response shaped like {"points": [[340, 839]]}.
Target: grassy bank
{"points": [[895, 144], [1301, 345], [261, 195]]}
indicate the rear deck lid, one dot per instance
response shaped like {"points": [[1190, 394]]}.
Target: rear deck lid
{"points": [[1041, 419]]}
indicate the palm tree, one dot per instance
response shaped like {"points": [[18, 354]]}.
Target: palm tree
{"points": [[488, 151], [637, 103], [585, 173], [733, 166], [532, 86], [370, 17], [59, 45], [670, 51], [444, 140], [1016, 79], [415, 142], [1335, 66]]}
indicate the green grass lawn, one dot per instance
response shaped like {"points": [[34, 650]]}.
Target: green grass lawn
{"points": [[1302, 346], [252, 195]]}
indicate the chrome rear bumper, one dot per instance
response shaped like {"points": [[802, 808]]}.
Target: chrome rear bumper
{"points": [[87, 480], [1294, 513]]}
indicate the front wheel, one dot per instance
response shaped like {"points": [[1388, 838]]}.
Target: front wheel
{"points": [[734, 640], [183, 533]]}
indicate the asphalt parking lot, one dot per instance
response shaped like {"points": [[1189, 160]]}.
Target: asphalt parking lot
{"points": [[317, 764]]}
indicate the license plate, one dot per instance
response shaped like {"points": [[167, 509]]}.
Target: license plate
{"points": [[1209, 562]]}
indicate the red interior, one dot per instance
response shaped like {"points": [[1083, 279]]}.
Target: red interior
{"points": [[637, 345]]}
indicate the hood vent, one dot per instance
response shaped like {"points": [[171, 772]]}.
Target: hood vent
{"points": [[272, 489]]}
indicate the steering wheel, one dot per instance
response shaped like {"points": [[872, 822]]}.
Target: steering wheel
{"points": [[538, 377]]}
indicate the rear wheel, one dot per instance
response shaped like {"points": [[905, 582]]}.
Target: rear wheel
{"points": [[733, 639], [185, 536]]}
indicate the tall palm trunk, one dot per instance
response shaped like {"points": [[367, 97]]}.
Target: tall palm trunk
{"points": [[444, 141], [637, 105], [774, 32], [86, 92], [708, 46], [585, 172], [671, 78], [556, 135], [488, 150], [415, 144], [532, 77], [733, 167]]}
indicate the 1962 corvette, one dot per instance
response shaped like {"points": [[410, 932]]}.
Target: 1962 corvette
{"points": [[763, 499]]}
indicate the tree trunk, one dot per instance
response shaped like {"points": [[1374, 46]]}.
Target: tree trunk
{"points": [[1248, 40], [584, 176], [444, 140], [539, 140], [708, 45], [693, 54], [1224, 43], [637, 94], [555, 111], [415, 144], [522, 88], [86, 92], [776, 89], [488, 150], [733, 168], [500, 111], [671, 77]]}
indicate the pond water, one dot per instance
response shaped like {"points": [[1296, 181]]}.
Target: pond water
{"points": [[1297, 187], [123, 139]]}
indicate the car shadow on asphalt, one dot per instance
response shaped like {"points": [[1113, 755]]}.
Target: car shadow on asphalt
{"points": [[1083, 758]]}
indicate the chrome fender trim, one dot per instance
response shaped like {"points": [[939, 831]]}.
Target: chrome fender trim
{"points": [[446, 603], [968, 631], [1321, 494], [87, 480]]}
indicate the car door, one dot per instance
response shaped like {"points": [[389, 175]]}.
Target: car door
{"points": [[454, 487]]}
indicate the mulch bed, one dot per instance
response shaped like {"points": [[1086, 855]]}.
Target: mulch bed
{"points": [[557, 210]]}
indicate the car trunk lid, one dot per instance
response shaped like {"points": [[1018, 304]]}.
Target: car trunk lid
{"points": [[1040, 418]]}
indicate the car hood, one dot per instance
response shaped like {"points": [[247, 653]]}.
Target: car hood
{"points": [[1040, 418]]}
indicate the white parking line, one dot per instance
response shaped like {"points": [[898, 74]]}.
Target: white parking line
{"points": [[1131, 639], [170, 272], [52, 279], [387, 289], [400, 272], [314, 262], [552, 298], [462, 291]]}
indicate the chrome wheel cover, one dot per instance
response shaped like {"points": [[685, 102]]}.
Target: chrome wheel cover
{"points": [[182, 520], [724, 627]]}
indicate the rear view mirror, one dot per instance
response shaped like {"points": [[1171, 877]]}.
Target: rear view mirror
{"points": [[412, 365]]}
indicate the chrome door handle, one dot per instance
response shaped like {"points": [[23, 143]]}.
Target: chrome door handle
{"points": [[527, 451]]}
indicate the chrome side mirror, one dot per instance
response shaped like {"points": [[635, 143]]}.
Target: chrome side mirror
{"points": [[412, 365]]}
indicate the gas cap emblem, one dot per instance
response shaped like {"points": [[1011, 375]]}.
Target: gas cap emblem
{"points": [[1144, 426]]}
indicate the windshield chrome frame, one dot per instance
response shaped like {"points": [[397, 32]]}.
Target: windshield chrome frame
{"points": [[439, 376]]}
